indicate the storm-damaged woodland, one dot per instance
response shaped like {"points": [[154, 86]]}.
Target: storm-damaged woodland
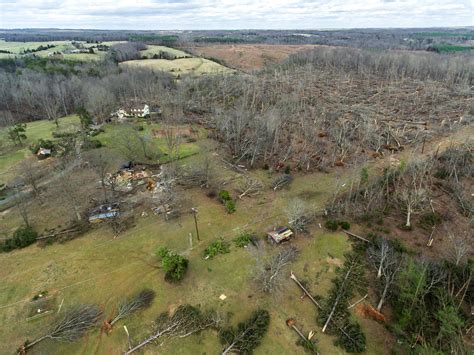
{"points": [[319, 205]]}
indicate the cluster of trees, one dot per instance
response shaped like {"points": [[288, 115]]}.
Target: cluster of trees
{"points": [[409, 187], [32, 94]]}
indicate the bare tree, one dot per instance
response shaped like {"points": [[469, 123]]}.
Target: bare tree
{"points": [[72, 327], [281, 181], [31, 173], [185, 321], [249, 186], [269, 271], [299, 214], [21, 203], [102, 163], [140, 301], [173, 142], [387, 262], [411, 188], [461, 244]]}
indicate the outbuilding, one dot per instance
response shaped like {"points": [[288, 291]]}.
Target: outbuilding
{"points": [[279, 235]]}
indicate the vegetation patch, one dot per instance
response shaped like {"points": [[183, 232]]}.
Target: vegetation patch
{"points": [[175, 265], [219, 246]]}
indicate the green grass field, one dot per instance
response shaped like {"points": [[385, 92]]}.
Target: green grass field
{"points": [[98, 268], [196, 66], [152, 49], [11, 154], [60, 46]]}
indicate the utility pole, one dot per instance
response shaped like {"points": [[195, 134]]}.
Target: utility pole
{"points": [[195, 211]]}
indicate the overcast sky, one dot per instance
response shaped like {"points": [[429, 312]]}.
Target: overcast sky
{"points": [[226, 14]]}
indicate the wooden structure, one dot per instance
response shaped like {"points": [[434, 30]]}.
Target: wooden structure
{"points": [[279, 235]]}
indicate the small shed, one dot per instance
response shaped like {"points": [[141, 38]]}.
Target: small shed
{"points": [[43, 153], [280, 234]]}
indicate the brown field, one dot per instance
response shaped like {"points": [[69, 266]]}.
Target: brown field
{"points": [[248, 57]]}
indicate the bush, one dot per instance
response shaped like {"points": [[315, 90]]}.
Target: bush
{"points": [[331, 224], [174, 265], [218, 246], [243, 240], [22, 237], [429, 220], [224, 195], [287, 169], [230, 206], [345, 225]]}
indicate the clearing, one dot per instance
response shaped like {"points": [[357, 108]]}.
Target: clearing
{"points": [[196, 66], [248, 57]]}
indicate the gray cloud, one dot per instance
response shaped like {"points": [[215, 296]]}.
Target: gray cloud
{"points": [[227, 14]]}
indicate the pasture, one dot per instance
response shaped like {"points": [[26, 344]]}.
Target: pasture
{"points": [[153, 49], [196, 66]]}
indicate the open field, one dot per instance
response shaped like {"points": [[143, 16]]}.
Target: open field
{"points": [[17, 49], [122, 266], [153, 49], [11, 154], [250, 57], [196, 66]]}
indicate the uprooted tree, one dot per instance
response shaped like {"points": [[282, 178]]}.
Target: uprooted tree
{"points": [[247, 335], [269, 277], [184, 321], [141, 300], [71, 327], [334, 314]]}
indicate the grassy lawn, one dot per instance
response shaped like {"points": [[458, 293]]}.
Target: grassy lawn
{"points": [[197, 66], [96, 268], [113, 133], [152, 49], [11, 154]]}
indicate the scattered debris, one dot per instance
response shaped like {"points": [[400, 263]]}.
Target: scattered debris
{"points": [[222, 297], [104, 212]]}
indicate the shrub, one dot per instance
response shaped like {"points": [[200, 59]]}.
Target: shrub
{"points": [[22, 237], [242, 240], [331, 224], [287, 169], [230, 206], [429, 220], [224, 195], [345, 225], [174, 265], [218, 246]]}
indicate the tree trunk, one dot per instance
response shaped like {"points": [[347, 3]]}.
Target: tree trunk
{"points": [[408, 224], [338, 297], [382, 298]]}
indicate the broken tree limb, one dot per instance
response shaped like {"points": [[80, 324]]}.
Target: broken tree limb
{"points": [[293, 277], [338, 297], [359, 301], [357, 236]]}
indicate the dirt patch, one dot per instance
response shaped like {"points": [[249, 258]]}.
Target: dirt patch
{"points": [[249, 57], [334, 261]]}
